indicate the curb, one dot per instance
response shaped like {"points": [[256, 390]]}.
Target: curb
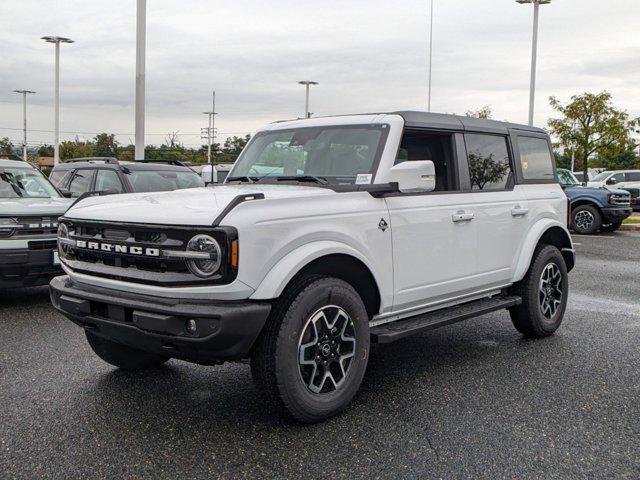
{"points": [[630, 227]]}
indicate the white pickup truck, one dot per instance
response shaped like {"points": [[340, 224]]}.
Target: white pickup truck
{"points": [[328, 234]]}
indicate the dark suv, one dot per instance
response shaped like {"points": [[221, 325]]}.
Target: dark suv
{"points": [[80, 175], [594, 208]]}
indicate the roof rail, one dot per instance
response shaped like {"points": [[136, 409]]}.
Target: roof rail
{"points": [[110, 160], [162, 160]]}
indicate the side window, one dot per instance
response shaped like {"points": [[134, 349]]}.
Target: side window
{"points": [[535, 158], [108, 180], [80, 182], [617, 178], [417, 145], [56, 176], [633, 177], [489, 162]]}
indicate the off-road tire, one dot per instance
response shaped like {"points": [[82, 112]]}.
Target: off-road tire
{"points": [[612, 227], [122, 356], [589, 211], [528, 317], [274, 359]]}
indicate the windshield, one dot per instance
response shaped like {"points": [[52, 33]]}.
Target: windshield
{"points": [[601, 177], [20, 182], [163, 180], [335, 154], [565, 177]]}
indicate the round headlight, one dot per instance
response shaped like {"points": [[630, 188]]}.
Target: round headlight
{"points": [[205, 267], [7, 227], [63, 233]]}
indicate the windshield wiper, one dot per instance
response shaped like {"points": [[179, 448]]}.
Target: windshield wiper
{"points": [[303, 178], [11, 180], [243, 179]]}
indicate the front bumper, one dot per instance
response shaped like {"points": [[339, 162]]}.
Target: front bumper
{"points": [[24, 267], [615, 214], [635, 204], [225, 330]]}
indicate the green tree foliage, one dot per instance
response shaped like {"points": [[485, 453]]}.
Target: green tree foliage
{"points": [[484, 170], [592, 126], [619, 160], [105, 145], [45, 151], [484, 112], [6, 147]]}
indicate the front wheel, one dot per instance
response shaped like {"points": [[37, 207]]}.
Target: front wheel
{"points": [[313, 353], [586, 219], [544, 291], [612, 227]]}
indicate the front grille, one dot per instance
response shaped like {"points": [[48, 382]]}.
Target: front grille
{"points": [[43, 245], [30, 226], [142, 268]]}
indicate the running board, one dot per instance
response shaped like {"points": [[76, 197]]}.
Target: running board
{"points": [[390, 332]]}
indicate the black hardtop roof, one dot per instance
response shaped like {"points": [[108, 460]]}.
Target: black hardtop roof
{"points": [[456, 122], [447, 121]]}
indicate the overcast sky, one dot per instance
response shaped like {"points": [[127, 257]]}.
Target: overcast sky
{"points": [[367, 56]]}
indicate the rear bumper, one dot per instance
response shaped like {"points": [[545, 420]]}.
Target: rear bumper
{"points": [[225, 330], [23, 267], [615, 214]]}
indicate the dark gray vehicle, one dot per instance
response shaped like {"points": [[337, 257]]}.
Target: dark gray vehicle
{"points": [[77, 176]]}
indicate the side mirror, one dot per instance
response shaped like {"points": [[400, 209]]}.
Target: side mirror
{"points": [[64, 192], [414, 176], [611, 181]]}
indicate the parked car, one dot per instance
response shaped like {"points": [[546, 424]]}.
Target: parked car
{"points": [[615, 178], [77, 176], [220, 172], [634, 191], [592, 208], [579, 176], [29, 210], [328, 234]]}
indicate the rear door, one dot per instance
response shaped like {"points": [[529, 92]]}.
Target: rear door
{"points": [[500, 212]]}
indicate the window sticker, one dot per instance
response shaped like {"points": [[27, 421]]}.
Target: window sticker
{"points": [[363, 179]]}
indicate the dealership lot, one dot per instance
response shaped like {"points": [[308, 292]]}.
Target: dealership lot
{"points": [[470, 400]]}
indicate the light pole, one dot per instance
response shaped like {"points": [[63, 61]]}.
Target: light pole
{"points": [[56, 141], [211, 132], [307, 84], [141, 27], [534, 52], [24, 120], [430, 54]]}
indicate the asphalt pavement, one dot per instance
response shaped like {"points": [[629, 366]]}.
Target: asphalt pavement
{"points": [[472, 400]]}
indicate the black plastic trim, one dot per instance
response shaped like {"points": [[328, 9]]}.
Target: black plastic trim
{"points": [[234, 203]]}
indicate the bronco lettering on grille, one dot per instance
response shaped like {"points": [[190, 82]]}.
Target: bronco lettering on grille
{"points": [[117, 248]]}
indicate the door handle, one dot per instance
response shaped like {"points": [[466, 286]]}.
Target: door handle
{"points": [[462, 216], [519, 211]]}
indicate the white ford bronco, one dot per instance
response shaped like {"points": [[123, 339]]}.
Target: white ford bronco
{"points": [[327, 235]]}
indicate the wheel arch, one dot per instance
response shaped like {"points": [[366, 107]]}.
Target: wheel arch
{"points": [[548, 232], [340, 261]]}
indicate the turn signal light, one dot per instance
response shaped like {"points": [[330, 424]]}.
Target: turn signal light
{"points": [[234, 254]]}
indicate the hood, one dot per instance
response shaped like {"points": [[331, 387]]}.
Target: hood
{"points": [[34, 206], [595, 184], [598, 190], [196, 206]]}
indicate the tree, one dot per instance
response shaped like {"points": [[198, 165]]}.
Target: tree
{"points": [[484, 170], [234, 145], [45, 151], [6, 147], [620, 160], [484, 112], [591, 125], [105, 145]]}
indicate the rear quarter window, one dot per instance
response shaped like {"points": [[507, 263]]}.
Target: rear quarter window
{"points": [[536, 160]]}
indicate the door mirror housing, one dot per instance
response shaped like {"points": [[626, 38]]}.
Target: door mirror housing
{"points": [[611, 181], [414, 176], [64, 192]]}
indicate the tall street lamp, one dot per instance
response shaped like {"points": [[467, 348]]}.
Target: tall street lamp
{"points": [[307, 83], [534, 52], [141, 36], [56, 141], [24, 120]]}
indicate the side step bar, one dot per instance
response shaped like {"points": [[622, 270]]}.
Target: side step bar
{"points": [[390, 332]]}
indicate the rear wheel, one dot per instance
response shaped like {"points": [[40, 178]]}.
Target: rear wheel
{"points": [[311, 357], [544, 291], [121, 356], [612, 227], [586, 219]]}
